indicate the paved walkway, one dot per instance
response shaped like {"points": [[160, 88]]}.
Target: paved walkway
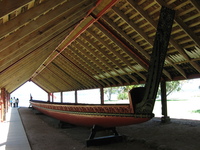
{"points": [[12, 134]]}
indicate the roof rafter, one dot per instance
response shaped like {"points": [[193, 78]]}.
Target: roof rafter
{"points": [[154, 24]]}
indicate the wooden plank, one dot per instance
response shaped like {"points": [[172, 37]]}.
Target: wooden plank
{"points": [[127, 51], [106, 55], [91, 80], [92, 64], [69, 71], [36, 39], [34, 25], [7, 6], [23, 18], [12, 74]]}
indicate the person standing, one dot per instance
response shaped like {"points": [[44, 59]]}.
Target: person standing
{"points": [[11, 102], [16, 102]]}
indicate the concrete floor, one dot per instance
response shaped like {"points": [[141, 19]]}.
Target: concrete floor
{"points": [[12, 133]]}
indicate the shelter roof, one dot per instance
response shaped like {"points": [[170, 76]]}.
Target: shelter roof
{"points": [[66, 45]]}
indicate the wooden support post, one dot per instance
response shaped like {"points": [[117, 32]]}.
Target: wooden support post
{"points": [[165, 118], [3, 105], [102, 95], [76, 97], [61, 97], [52, 95], [49, 97]]}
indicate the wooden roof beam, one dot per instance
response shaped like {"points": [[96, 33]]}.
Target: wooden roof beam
{"points": [[99, 58], [53, 78], [8, 7], [154, 24], [90, 67], [24, 18], [185, 28], [59, 75], [105, 54], [188, 32], [45, 81], [118, 43], [52, 56], [109, 57], [35, 25], [138, 30], [196, 4], [91, 78], [84, 48], [69, 70]]}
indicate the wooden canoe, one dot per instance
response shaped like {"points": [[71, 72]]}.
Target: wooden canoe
{"points": [[142, 100], [89, 115]]}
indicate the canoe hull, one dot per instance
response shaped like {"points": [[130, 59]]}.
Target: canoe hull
{"points": [[92, 118]]}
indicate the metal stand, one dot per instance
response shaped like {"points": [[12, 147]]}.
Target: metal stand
{"points": [[92, 141]]}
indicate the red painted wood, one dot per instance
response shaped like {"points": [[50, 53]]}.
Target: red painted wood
{"points": [[82, 114]]}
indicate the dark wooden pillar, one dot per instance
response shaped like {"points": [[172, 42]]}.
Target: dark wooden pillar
{"points": [[52, 96], [61, 97], [165, 118], [3, 105], [49, 97], [76, 97], [102, 95]]}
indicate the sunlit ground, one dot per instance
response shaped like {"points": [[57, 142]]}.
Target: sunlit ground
{"points": [[4, 128]]}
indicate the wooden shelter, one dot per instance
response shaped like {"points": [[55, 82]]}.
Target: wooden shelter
{"points": [[67, 45]]}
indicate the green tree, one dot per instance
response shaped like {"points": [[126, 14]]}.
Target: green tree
{"points": [[172, 86], [110, 91], [123, 91]]}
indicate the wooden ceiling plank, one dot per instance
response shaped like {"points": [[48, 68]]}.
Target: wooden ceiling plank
{"points": [[80, 63], [127, 52], [135, 27], [73, 35], [99, 58], [45, 81], [39, 83], [29, 59], [81, 49], [72, 72], [66, 76], [188, 31], [86, 65], [105, 54], [130, 52], [55, 38], [115, 52], [12, 78], [7, 7], [28, 64], [184, 28], [34, 25], [109, 57], [83, 72], [77, 52], [29, 16], [61, 76], [154, 24], [196, 4], [36, 41], [58, 80]]}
